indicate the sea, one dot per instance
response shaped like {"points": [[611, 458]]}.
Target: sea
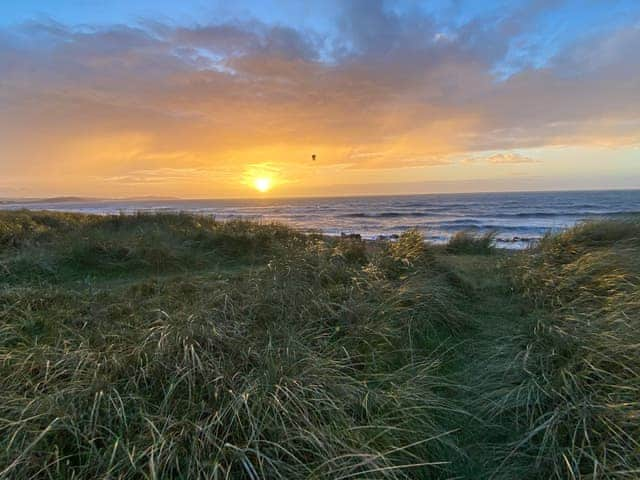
{"points": [[517, 218]]}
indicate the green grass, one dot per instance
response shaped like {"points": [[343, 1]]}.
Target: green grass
{"points": [[172, 346], [577, 371], [470, 243], [176, 346]]}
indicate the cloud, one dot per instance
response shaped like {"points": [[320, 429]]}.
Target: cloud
{"points": [[167, 176], [502, 158], [388, 90]]}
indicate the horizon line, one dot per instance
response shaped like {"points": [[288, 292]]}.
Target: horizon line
{"points": [[71, 198]]}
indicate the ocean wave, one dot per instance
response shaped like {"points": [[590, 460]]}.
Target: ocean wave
{"points": [[565, 213], [481, 227], [422, 214], [516, 217], [492, 214]]}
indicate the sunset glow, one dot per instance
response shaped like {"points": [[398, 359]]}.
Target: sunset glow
{"points": [[251, 224], [262, 184], [336, 98]]}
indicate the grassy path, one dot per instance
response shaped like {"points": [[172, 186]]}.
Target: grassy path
{"points": [[477, 365]]}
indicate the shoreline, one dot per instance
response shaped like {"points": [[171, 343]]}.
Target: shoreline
{"points": [[513, 243]]}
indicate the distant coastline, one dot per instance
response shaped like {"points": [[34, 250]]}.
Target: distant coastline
{"points": [[81, 198]]}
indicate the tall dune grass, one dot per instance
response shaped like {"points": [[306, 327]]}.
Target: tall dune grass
{"points": [[580, 361], [176, 346], [278, 356], [470, 243]]}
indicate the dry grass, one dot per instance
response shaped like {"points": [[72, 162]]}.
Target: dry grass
{"points": [[580, 362], [278, 356], [469, 243], [175, 346]]}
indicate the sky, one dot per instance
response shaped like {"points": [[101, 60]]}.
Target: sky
{"points": [[213, 99]]}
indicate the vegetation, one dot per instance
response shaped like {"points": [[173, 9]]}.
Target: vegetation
{"points": [[470, 243], [580, 363], [176, 346]]}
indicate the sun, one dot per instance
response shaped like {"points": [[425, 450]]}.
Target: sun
{"points": [[262, 184]]}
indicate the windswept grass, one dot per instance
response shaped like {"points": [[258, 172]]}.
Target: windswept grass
{"points": [[579, 361], [174, 346], [469, 243], [62, 246]]}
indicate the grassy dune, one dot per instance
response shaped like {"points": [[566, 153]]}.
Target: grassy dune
{"points": [[580, 362], [175, 346]]}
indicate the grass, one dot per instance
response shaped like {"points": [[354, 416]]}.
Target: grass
{"points": [[469, 243], [171, 346], [578, 390], [176, 346]]}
